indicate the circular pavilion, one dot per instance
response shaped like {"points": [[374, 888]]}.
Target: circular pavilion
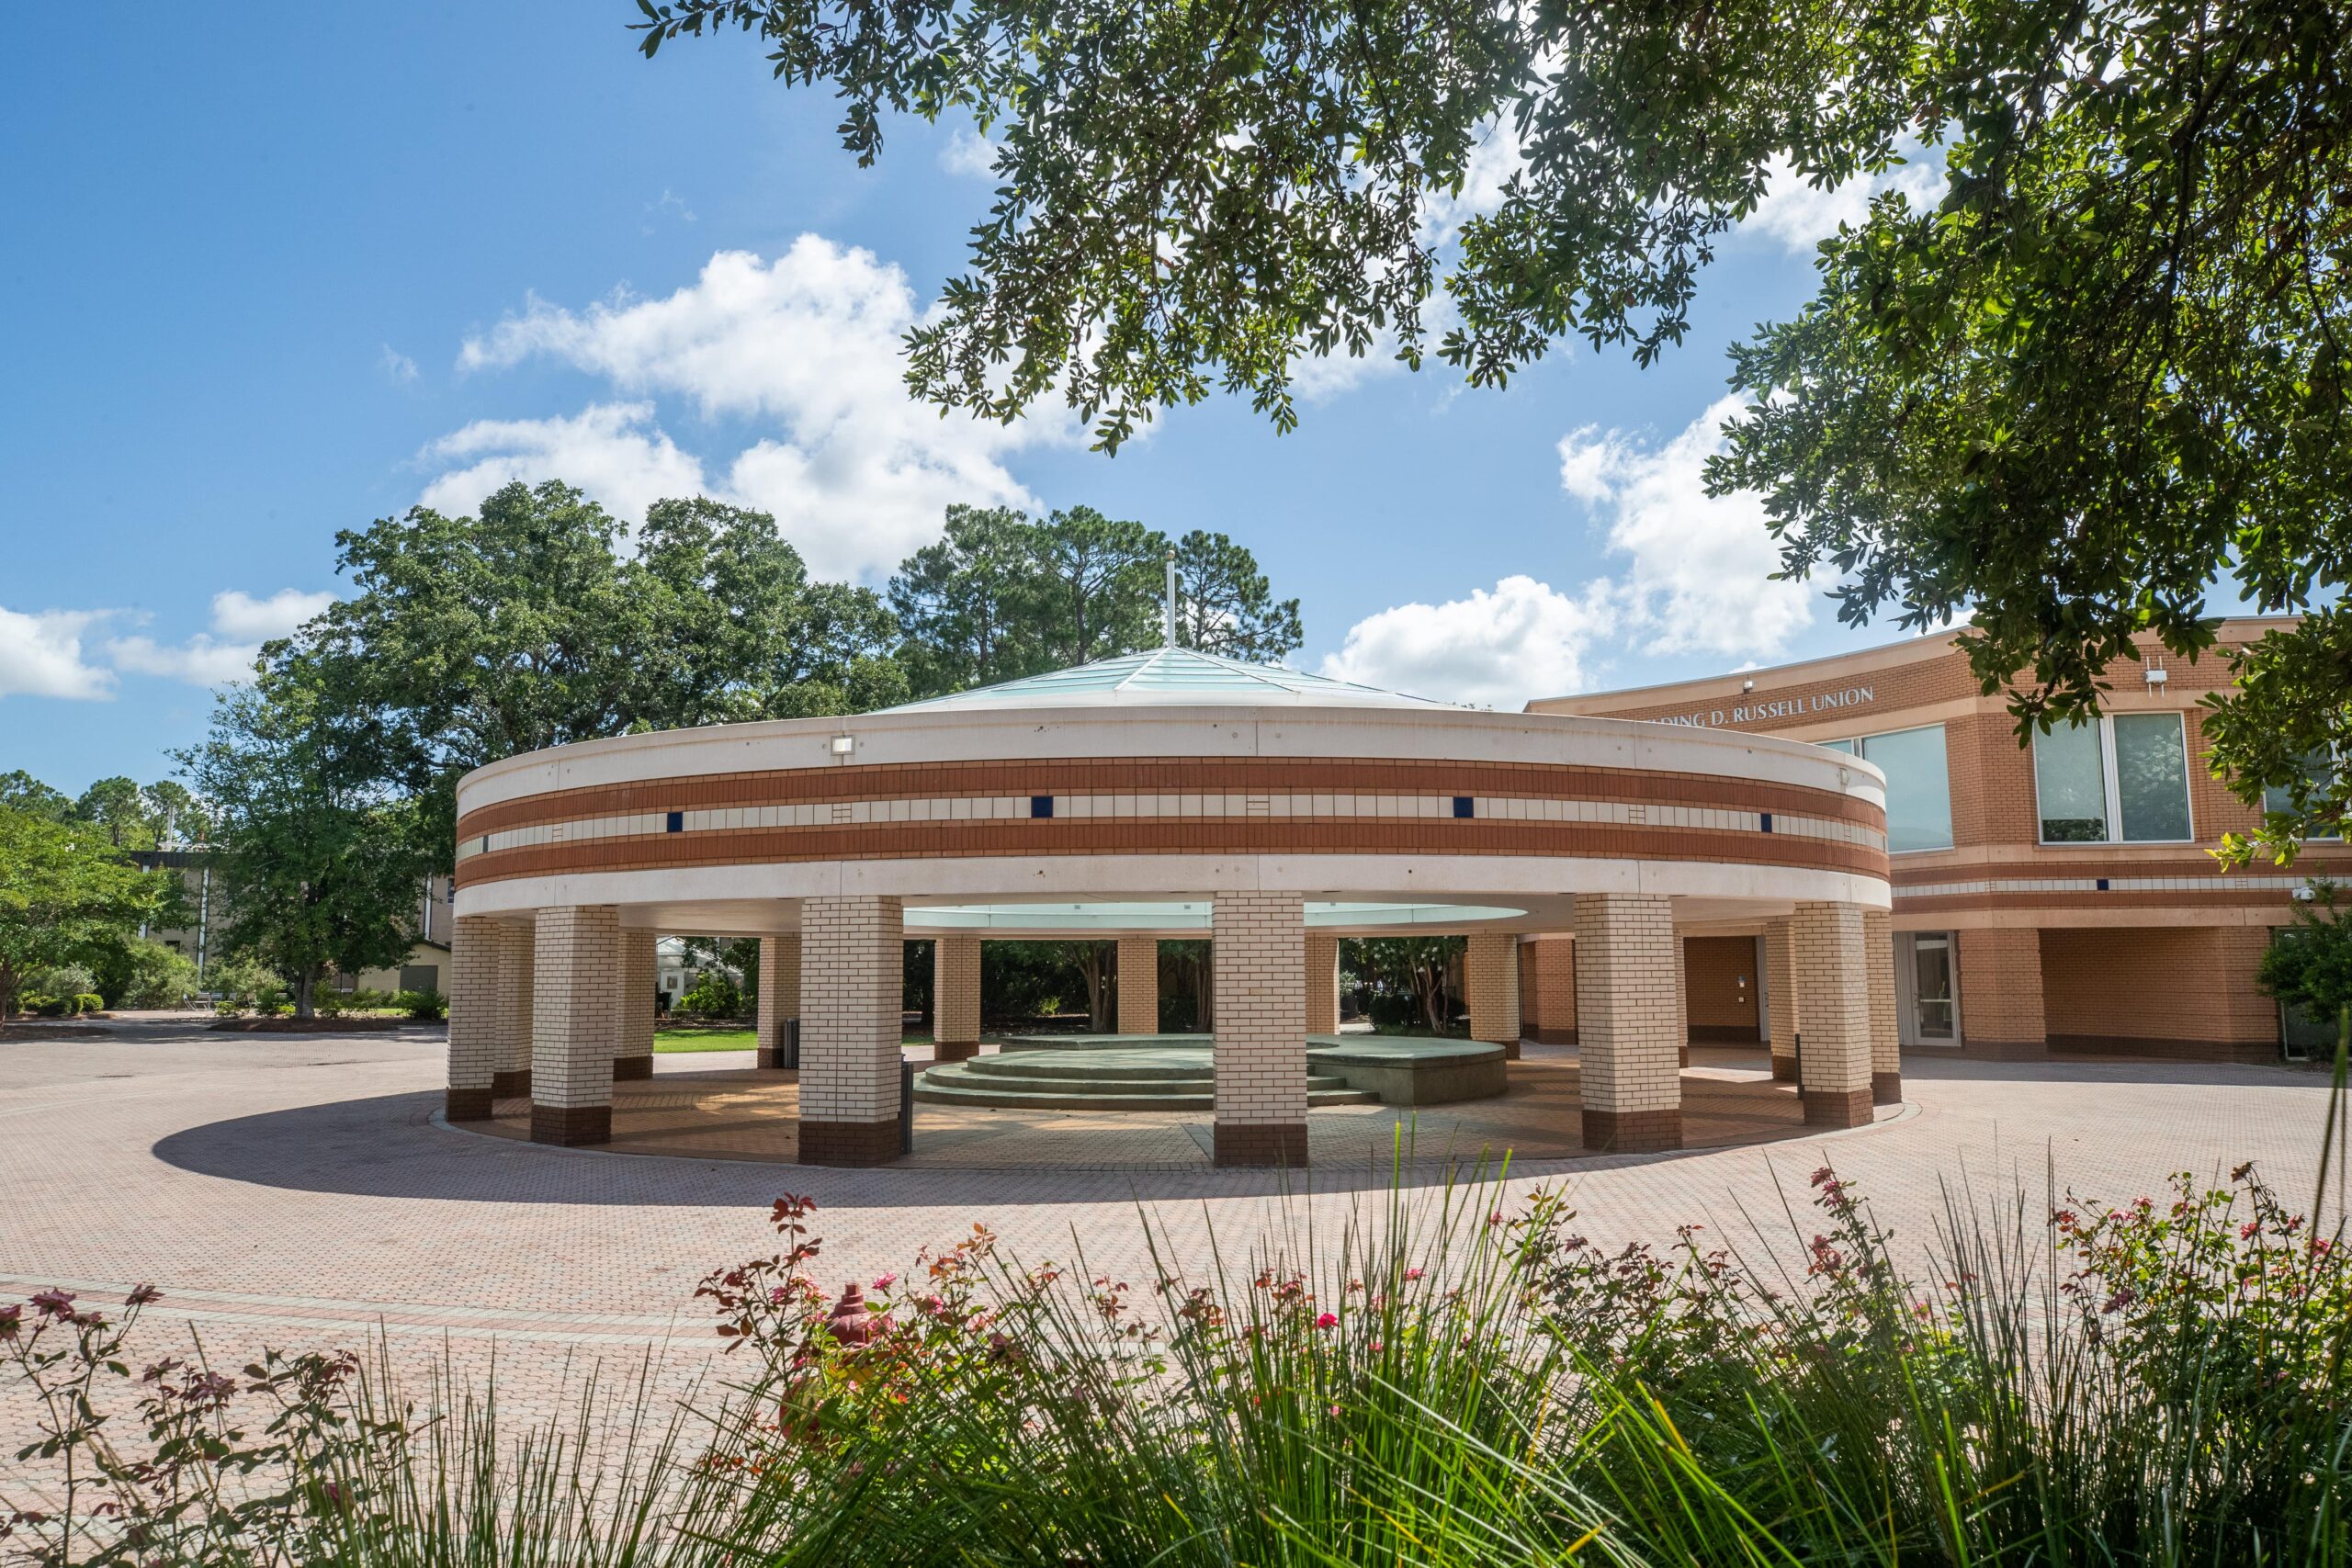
{"points": [[1165, 793]]}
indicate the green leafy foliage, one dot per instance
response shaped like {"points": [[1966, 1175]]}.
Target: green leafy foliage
{"points": [[1449, 1378], [471, 638], [2106, 371], [319, 862], [66, 896], [1000, 596]]}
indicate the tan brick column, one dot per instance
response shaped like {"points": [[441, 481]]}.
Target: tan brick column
{"points": [[1681, 1001], [1260, 1052], [1781, 995], [1491, 978], [1886, 1037], [853, 979], [477, 954], [779, 996], [1833, 989], [518, 975], [633, 1057], [2000, 993], [1549, 966], [956, 999], [1138, 985], [1322, 983], [575, 1022], [1626, 1014]]}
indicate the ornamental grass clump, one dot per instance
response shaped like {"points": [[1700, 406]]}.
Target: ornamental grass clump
{"points": [[1459, 1377]]}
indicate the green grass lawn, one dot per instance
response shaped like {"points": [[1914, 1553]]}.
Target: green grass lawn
{"points": [[668, 1040], [705, 1040]]}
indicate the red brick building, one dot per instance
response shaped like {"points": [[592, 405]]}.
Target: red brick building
{"points": [[2053, 897]]}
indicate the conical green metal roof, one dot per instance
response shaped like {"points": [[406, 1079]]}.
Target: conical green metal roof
{"points": [[1170, 676]]}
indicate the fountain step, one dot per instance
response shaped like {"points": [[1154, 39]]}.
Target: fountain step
{"points": [[1106, 1084], [1061, 1099], [1168, 1067]]}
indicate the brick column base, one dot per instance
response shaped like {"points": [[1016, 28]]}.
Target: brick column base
{"points": [[849, 1143], [1838, 1108], [1632, 1132], [626, 1067], [1511, 1051], [1682, 1056], [954, 1050], [1886, 1088], [467, 1105], [570, 1126], [509, 1085], [1262, 1143], [767, 1056], [1785, 1069]]}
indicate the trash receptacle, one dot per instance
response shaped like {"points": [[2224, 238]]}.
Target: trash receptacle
{"points": [[906, 1105]]}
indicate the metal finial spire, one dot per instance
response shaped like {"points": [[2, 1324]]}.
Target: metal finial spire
{"points": [[1167, 609]]}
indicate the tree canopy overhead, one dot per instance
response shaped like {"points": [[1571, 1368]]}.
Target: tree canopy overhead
{"points": [[2106, 371]]}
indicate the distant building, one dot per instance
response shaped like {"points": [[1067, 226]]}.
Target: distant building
{"points": [[425, 968]]}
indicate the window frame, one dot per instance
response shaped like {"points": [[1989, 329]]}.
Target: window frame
{"points": [[2112, 785], [1852, 745]]}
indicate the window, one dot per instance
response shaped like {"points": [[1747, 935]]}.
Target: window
{"points": [[2123, 778], [1919, 784], [2319, 769]]}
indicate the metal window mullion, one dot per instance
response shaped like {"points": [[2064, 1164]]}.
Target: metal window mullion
{"points": [[2110, 779]]}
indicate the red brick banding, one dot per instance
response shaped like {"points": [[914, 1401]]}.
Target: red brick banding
{"points": [[1886, 1088], [1186, 835], [1262, 1143], [1165, 775], [509, 1085], [627, 1067], [954, 1050], [467, 1104], [849, 1143]]}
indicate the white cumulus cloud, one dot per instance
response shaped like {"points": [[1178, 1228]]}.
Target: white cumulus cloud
{"points": [[1695, 579], [1800, 215], [224, 654], [1523, 639], [857, 473], [1698, 579], [967, 152], [40, 655], [613, 451]]}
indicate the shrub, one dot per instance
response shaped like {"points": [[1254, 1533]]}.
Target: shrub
{"points": [[423, 1005], [149, 974], [713, 995], [1455, 1382], [241, 983]]}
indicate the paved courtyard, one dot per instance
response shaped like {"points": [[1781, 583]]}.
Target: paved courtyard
{"points": [[299, 1191]]}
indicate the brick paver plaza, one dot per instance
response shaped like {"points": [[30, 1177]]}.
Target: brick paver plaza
{"points": [[299, 1191]]}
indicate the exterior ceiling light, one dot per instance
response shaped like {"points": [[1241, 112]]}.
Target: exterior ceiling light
{"points": [[844, 744]]}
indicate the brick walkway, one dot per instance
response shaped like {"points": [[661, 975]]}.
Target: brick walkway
{"points": [[720, 1107], [295, 1191]]}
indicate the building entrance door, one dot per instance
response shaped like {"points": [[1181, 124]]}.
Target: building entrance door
{"points": [[1923, 974]]}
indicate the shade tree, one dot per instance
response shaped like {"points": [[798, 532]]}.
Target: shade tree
{"points": [[2098, 375]]}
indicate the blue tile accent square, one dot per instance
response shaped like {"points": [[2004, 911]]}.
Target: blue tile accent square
{"points": [[677, 822], [2103, 886], [1768, 821], [1465, 805], [1041, 805]]}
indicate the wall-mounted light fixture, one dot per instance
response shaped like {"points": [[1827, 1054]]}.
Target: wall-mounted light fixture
{"points": [[2156, 675], [1748, 685], [844, 744]]}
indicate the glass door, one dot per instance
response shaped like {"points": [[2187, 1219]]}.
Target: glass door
{"points": [[1931, 1006]]}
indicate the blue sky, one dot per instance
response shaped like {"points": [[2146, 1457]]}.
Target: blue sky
{"points": [[282, 277]]}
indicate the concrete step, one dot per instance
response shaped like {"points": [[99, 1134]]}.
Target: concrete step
{"points": [[1090, 1068], [971, 1094], [1105, 1083]]}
